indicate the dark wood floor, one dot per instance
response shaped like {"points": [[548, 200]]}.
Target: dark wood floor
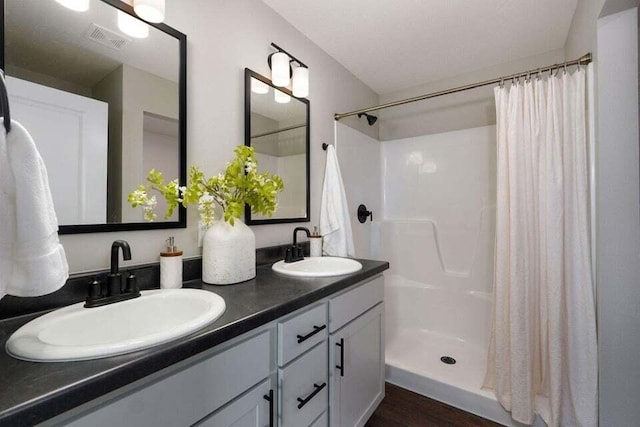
{"points": [[403, 408]]}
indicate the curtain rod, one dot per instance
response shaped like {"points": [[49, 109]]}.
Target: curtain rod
{"points": [[586, 59]]}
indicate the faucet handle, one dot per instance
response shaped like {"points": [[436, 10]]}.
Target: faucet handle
{"points": [[289, 255], [132, 284], [95, 289], [300, 252]]}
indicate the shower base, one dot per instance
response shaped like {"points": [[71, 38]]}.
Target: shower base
{"points": [[413, 361]]}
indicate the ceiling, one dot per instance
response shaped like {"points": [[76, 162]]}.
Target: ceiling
{"points": [[395, 44]]}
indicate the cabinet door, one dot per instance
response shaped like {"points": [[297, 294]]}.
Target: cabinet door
{"points": [[253, 409], [357, 369]]}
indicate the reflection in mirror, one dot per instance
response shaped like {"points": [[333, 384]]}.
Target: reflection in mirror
{"points": [[277, 127], [102, 94]]}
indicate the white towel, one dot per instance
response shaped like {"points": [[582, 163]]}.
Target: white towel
{"points": [[335, 224], [33, 260]]}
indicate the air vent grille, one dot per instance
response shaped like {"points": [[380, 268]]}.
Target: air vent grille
{"points": [[106, 37]]}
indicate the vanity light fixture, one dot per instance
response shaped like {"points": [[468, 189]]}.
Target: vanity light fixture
{"points": [[281, 72], [259, 87], [280, 69], [150, 10], [300, 82], [132, 26], [77, 5]]}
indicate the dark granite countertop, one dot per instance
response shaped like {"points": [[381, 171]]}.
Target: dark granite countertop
{"points": [[33, 392]]}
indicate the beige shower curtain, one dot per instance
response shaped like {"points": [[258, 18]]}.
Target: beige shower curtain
{"points": [[543, 355]]}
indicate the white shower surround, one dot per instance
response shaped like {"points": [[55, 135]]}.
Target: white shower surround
{"points": [[434, 222], [438, 235]]}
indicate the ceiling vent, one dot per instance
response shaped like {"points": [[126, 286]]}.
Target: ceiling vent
{"points": [[106, 37]]}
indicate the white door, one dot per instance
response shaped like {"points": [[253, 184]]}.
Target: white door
{"points": [[253, 409], [71, 134], [357, 369]]}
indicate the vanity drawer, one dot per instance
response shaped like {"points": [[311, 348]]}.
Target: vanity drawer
{"points": [[301, 332], [349, 305], [304, 388]]}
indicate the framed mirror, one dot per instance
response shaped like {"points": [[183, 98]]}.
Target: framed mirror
{"points": [[103, 94], [277, 127]]}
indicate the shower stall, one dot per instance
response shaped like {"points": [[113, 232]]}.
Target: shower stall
{"points": [[433, 202], [433, 199]]}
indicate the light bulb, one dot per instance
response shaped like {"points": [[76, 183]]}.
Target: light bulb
{"points": [[281, 97], [280, 69], [77, 5], [259, 87], [150, 10], [132, 26], [301, 82]]}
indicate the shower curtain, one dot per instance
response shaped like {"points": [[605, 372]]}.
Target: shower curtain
{"points": [[543, 355]]}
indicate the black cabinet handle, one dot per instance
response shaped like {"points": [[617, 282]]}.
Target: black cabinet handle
{"points": [[306, 400], [269, 398], [341, 365], [316, 329]]}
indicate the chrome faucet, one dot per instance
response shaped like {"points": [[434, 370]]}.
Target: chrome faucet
{"points": [[114, 292], [296, 252]]}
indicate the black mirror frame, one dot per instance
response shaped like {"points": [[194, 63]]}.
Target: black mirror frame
{"points": [[182, 127], [248, 74]]}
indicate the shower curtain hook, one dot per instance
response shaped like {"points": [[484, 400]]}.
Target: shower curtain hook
{"points": [[565, 68]]}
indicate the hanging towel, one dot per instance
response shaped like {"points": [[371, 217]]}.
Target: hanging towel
{"points": [[335, 224], [33, 260], [7, 216]]}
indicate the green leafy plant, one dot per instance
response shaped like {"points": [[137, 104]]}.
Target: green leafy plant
{"points": [[240, 184]]}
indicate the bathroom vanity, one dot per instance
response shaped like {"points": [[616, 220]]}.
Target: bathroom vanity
{"points": [[287, 352]]}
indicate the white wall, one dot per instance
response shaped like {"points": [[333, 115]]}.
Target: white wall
{"points": [[160, 152], [464, 110], [582, 33], [361, 169], [618, 219], [143, 92], [224, 37], [292, 169]]}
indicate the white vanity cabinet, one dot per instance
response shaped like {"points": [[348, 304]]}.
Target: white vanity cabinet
{"points": [[186, 394], [356, 356], [253, 409]]}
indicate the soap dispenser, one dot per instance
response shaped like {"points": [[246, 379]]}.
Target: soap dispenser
{"points": [[171, 266], [315, 241]]}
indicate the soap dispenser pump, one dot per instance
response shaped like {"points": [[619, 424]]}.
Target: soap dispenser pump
{"points": [[171, 266]]}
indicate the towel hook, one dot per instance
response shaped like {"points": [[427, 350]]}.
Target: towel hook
{"points": [[4, 103], [325, 146], [363, 214]]}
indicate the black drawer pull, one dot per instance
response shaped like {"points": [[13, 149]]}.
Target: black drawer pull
{"points": [[308, 398], [341, 365], [316, 329], [269, 398]]}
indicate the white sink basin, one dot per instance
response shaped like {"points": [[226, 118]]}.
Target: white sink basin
{"points": [[318, 267], [78, 333]]}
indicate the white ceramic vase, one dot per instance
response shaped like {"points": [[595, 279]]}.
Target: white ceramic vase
{"points": [[228, 253]]}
